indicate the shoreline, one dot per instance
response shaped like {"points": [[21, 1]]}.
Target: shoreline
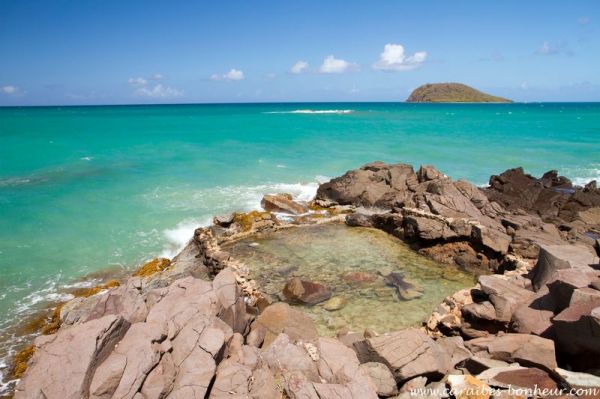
{"points": [[249, 289]]}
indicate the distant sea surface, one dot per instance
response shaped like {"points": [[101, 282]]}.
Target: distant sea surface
{"points": [[84, 189]]}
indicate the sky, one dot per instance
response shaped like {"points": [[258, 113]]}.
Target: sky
{"points": [[136, 52]]}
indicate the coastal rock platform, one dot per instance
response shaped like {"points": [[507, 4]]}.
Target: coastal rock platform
{"points": [[200, 327]]}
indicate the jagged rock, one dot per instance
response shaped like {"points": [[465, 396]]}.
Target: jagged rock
{"points": [[63, 364], [521, 348], [305, 292], [126, 301], [504, 295], [578, 328], [282, 203], [283, 355], [427, 229], [121, 375], [373, 185], [281, 318], [565, 282], [535, 316], [233, 308], [339, 364], [409, 353], [491, 239], [551, 196], [381, 377], [224, 220], [428, 172], [557, 257], [359, 220], [160, 380], [455, 348]]}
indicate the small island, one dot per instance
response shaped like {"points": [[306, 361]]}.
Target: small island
{"points": [[451, 93]]}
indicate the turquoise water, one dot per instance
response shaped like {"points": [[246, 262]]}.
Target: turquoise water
{"points": [[83, 189]]}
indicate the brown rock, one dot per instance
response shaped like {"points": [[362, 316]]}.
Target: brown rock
{"points": [[381, 377], [521, 348], [360, 278], [504, 295], [305, 292], [409, 353], [79, 348], [123, 372], [282, 203], [578, 328], [492, 239], [281, 318], [558, 257], [527, 378], [373, 185], [455, 347], [535, 316]]}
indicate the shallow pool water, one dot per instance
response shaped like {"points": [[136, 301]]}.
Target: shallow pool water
{"points": [[353, 263]]}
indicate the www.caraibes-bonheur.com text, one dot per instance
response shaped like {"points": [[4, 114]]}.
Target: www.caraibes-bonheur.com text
{"points": [[517, 391]]}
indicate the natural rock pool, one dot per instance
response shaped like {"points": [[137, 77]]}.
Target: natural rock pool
{"points": [[353, 263]]}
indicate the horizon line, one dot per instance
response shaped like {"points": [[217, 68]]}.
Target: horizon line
{"points": [[293, 102]]}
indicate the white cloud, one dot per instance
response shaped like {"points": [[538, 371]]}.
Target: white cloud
{"points": [[9, 89], [137, 81], [393, 58], [233, 74], [157, 76], [299, 67], [158, 91], [524, 85], [335, 65], [548, 48]]}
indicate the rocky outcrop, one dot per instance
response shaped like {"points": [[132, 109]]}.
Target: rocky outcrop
{"points": [[283, 203], [199, 327]]}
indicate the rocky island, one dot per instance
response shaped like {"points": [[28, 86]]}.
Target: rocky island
{"points": [[199, 326], [451, 93]]}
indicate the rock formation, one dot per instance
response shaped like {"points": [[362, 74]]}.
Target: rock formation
{"points": [[199, 327]]}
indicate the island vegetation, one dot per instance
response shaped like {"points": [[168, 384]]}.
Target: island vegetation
{"points": [[451, 93]]}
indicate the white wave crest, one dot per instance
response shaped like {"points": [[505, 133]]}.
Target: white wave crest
{"points": [[218, 200], [178, 237], [313, 111]]}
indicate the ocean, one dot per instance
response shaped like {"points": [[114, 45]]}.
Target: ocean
{"points": [[88, 189]]}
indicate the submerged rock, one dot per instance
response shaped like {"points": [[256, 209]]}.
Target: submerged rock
{"points": [[335, 303], [405, 289], [305, 292]]}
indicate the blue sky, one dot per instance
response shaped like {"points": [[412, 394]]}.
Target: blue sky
{"points": [[121, 52]]}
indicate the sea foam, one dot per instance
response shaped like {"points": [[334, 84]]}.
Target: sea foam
{"points": [[241, 198], [313, 111]]}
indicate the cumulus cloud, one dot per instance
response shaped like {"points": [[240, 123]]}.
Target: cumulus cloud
{"points": [[158, 91], [145, 88], [137, 81], [336, 65], [394, 58], [9, 89], [299, 67], [548, 48], [233, 74]]}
